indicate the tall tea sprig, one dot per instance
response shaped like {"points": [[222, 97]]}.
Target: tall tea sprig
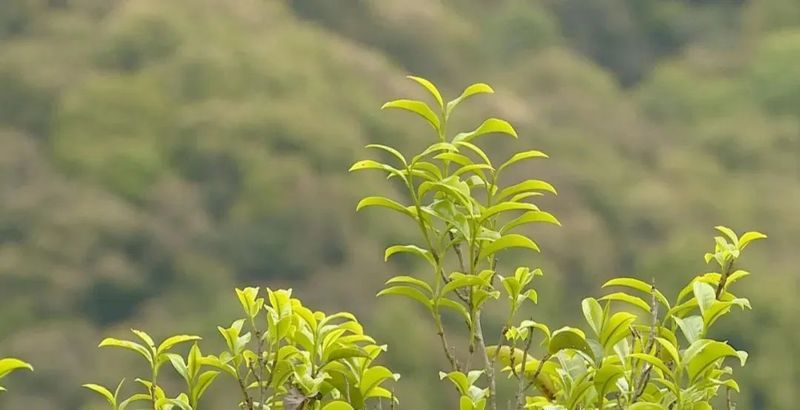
{"points": [[467, 215]]}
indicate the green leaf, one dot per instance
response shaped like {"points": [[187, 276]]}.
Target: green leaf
{"points": [[605, 378], [179, 365], [385, 203], [171, 342], [180, 403], [692, 327], [145, 337], [704, 294], [474, 148], [507, 242], [461, 282], [459, 379], [417, 107], [410, 280], [435, 147], [409, 292], [412, 249], [431, 89], [373, 377], [346, 353], [646, 406], [729, 233], [521, 156], [670, 348], [474, 168], [718, 309], [593, 314], [535, 325], [465, 403], [640, 286], [136, 397], [658, 363], [530, 217], [203, 382], [531, 185], [459, 308], [248, 298], [616, 328], [9, 365], [569, 338], [459, 159], [478, 88], [490, 126], [126, 344], [629, 299], [338, 405], [709, 355], [102, 391], [750, 237], [505, 207], [395, 153]]}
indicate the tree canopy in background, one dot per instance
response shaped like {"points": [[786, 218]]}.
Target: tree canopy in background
{"points": [[154, 154]]}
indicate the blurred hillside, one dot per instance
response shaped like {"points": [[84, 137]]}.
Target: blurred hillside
{"points": [[155, 154]]}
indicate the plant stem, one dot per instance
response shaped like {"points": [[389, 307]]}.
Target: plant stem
{"points": [[644, 378], [248, 402], [723, 280], [487, 362], [445, 346], [153, 387], [521, 387]]}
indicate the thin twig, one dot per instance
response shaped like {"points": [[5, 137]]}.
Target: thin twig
{"points": [[644, 377], [487, 362], [521, 386], [549, 394], [445, 346], [457, 248]]}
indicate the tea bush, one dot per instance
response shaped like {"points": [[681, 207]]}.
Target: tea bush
{"points": [[641, 350], [281, 354]]}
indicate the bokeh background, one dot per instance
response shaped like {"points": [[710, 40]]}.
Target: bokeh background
{"points": [[154, 154]]}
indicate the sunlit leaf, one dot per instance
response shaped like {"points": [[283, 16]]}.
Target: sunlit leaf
{"points": [[408, 292], [478, 88], [431, 89], [490, 126], [417, 107], [521, 156], [384, 203], [507, 242]]}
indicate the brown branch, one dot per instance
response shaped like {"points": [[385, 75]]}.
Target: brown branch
{"points": [[521, 387], [445, 346]]}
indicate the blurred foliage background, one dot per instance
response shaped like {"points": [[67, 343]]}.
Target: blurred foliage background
{"points": [[154, 154]]}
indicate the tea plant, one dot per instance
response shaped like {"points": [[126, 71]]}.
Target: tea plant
{"points": [[660, 355], [280, 354]]}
